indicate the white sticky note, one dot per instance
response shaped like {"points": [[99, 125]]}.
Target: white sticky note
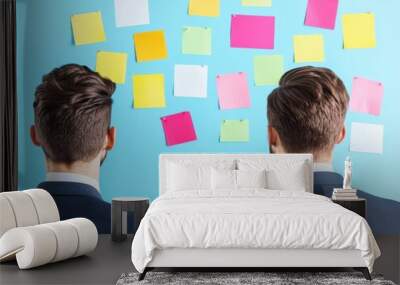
{"points": [[366, 138], [190, 81], [131, 12]]}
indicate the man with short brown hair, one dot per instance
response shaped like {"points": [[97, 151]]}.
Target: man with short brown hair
{"points": [[72, 111], [306, 114]]}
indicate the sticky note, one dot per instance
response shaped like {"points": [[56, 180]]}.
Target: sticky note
{"points": [[249, 31], [257, 3], [268, 69], [148, 91], [308, 48], [321, 13], [233, 91], [178, 128], [150, 46], [234, 131], [196, 40], [366, 96], [112, 65], [190, 81], [366, 138], [88, 28], [209, 8], [131, 12], [359, 30]]}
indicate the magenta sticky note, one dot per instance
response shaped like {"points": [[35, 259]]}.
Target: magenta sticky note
{"points": [[178, 128], [248, 31], [366, 96], [321, 13], [233, 91]]}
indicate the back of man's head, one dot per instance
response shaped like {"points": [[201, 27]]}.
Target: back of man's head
{"points": [[72, 113], [308, 109]]}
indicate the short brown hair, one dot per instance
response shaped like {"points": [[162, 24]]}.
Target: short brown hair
{"points": [[73, 112], [308, 109]]}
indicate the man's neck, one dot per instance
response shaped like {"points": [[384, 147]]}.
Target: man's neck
{"points": [[90, 169], [323, 161], [323, 157]]}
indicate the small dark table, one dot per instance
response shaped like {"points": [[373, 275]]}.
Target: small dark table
{"points": [[119, 211], [358, 206]]}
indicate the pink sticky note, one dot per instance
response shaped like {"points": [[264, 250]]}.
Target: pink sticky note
{"points": [[249, 31], [233, 91], [366, 96], [178, 128], [321, 13]]}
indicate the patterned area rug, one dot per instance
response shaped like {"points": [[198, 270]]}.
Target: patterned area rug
{"points": [[231, 278]]}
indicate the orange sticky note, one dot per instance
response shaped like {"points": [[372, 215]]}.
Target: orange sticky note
{"points": [[150, 46], [209, 8]]}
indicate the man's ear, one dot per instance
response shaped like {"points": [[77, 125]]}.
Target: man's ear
{"points": [[272, 136], [341, 136], [34, 137], [110, 138]]}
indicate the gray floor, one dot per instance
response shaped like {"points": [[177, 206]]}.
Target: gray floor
{"points": [[103, 266], [389, 262], [110, 260]]}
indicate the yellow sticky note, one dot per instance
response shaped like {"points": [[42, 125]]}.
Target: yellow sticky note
{"points": [[150, 46], [309, 48], [148, 91], [359, 30], [257, 3], [88, 28], [208, 8], [112, 65]]}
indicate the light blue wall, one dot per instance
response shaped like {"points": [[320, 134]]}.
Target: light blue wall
{"points": [[45, 41]]}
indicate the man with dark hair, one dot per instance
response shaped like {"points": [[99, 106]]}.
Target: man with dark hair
{"points": [[72, 110], [306, 114]]}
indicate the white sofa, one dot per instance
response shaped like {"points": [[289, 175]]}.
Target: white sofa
{"points": [[31, 231]]}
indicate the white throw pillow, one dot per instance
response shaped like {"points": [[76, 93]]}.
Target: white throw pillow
{"points": [[223, 179], [290, 179], [251, 178], [188, 177], [282, 174]]}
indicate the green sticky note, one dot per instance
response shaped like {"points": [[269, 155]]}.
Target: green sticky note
{"points": [[257, 3], [268, 69], [196, 40], [234, 131]]}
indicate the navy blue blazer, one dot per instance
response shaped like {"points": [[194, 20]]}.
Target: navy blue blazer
{"points": [[78, 200], [383, 215]]}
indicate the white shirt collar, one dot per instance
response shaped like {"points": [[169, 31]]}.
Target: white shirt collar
{"points": [[323, 166], [72, 177]]}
